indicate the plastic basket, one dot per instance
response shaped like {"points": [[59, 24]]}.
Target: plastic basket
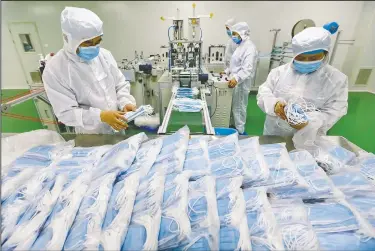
{"points": [[224, 131]]}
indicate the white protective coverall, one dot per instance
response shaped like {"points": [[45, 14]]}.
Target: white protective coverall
{"points": [[78, 90], [230, 47], [243, 68], [326, 88]]}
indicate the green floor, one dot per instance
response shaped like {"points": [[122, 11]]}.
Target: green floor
{"points": [[358, 125]]}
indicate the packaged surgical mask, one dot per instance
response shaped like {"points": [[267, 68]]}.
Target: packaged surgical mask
{"points": [[119, 211], [87, 227], [88, 53], [197, 158]]}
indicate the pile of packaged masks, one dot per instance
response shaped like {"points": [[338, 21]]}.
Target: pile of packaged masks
{"points": [[182, 193], [187, 105], [182, 92]]}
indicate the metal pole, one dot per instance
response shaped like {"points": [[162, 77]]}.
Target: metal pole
{"points": [[276, 31], [334, 47]]}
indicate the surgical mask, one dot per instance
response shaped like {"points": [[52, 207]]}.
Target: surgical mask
{"points": [[236, 39], [229, 33], [88, 53], [307, 67]]}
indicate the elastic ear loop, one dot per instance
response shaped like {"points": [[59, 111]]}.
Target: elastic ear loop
{"points": [[226, 164]]}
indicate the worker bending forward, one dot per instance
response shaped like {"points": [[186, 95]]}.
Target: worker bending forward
{"points": [[309, 79], [241, 73], [82, 81]]}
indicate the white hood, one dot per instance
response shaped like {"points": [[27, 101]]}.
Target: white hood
{"points": [[230, 22], [243, 29], [78, 25], [311, 39]]}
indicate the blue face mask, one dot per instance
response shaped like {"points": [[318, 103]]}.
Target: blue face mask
{"points": [[307, 67], [88, 53], [236, 39], [229, 33]]}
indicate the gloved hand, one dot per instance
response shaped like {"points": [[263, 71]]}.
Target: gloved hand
{"points": [[115, 119], [232, 83], [129, 108], [279, 110], [299, 126]]}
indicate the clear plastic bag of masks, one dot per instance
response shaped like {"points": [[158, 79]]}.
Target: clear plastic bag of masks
{"points": [[145, 158], [87, 227], [319, 184], [263, 229], [352, 181], [17, 203], [54, 232], [197, 158], [283, 172], [257, 169], [365, 205], [332, 157], [345, 241], [337, 215], [120, 156], [88, 152], [224, 147], [203, 216], [366, 162], [14, 146], [119, 212], [172, 155], [49, 152], [145, 221], [175, 225], [231, 205], [292, 218], [35, 216]]}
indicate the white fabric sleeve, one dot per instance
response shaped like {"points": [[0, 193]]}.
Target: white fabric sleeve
{"points": [[65, 105], [247, 68], [122, 85], [266, 100], [335, 107]]}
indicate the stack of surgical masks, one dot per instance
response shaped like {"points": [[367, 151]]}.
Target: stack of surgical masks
{"points": [[187, 105], [318, 184], [185, 92], [141, 111], [234, 231], [197, 159]]}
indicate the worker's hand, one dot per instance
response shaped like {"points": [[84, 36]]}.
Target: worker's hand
{"points": [[279, 110], [129, 108], [299, 126], [232, 83], [115, 119]]}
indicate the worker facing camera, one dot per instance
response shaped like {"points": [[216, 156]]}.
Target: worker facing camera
{"points": [[241, 73], [306, 97], [82, 81]]}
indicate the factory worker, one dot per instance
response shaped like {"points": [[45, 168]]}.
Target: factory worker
{"points": [[308, 77], [242, 70], [82, 81], [231, 46]]}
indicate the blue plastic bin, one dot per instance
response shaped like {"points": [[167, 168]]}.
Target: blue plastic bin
{"points": [[224, 131]]}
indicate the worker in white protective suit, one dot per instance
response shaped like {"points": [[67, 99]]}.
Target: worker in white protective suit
{"points": [[309, 78], [82, 81], [242, 71], [231, 46]]}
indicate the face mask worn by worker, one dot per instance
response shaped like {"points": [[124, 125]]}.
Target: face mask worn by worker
{"points": [[88, 53], [236, 40], [229, 33], [307, 67]]}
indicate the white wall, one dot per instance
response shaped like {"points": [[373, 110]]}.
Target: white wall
{"points": [[130, 26]]}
